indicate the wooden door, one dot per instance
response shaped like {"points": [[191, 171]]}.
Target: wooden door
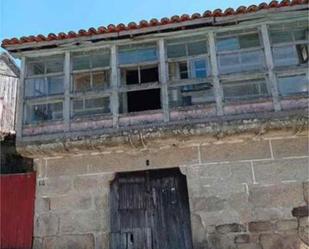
{"points": [[150, 210]]}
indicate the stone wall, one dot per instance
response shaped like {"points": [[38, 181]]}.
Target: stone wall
{"points": [[242, 190]]}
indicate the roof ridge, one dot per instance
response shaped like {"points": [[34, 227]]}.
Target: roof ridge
{"points": [[112, 28]]}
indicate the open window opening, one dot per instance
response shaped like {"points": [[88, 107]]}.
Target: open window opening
{"points": [[141, 100]]}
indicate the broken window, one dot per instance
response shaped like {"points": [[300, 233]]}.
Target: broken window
{"points": [[293, 84], [240, 90], [140, 75], [239, 53], [91, 71], [90, 106], [188, 58], [36, 113], [191, 95], [188, 66], [44, 77], [289, 43]]}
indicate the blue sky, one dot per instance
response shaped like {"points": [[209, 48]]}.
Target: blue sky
{"points": [[32, 17]]}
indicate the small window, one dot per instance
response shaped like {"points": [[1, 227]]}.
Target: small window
{"points": [[46, 86], [91, 106], [191, 95], [238, 42], [134, 54], [198, 68], [139, 75], [46, 65], [44, 112], [244, 89], [292, 85], [285, 55], [186, 47], [91, 60], [241, 61]]}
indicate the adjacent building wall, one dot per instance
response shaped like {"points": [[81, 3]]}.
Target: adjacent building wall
{"points": [[242, 190]]}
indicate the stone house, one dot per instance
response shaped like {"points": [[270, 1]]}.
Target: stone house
{"points": [[180, 133]]}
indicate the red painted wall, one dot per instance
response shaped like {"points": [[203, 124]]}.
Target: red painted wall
{"points": [[17, 209]]}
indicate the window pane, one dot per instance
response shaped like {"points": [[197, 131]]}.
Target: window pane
{"points": [[300, 35], [81, 62], [100, 60], [100, 80], [286, 55], [183, 70], [196, 48], [35, 87], [55, 66], [134, 54], [35, 68], [199, 68], [249, 41], [44, 112], [176, 50], [91, 106], [225, 44], [229, 63], [81, 81], [78, 105], [245, 89], [281, 36], [191, 95], [252, 60], [293, 85], [55, 85]]}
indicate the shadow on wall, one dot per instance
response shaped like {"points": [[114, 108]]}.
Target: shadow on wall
{"points": [[11, 162]]}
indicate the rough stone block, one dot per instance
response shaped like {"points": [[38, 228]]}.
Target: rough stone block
{"points": [[231, 228], [219, 218], [281, 195], [71, 202], [249, 246], [242, 238], [208, 204], [271, 172], [67, 166], [287, 225], [83, 222], [274, 213], [236, 151], [260, 226], [282, 241], [46, 225], [54, 186], [69, 242], [172, 157], [42, 205], [92, 183], [290, 147]]}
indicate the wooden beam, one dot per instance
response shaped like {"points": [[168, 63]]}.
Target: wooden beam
{"points": [[272, 79], [67, 84], [218, 91], [163, 77], [20, 100], [114, 99]]}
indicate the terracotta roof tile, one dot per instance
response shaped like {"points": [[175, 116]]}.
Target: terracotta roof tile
{"points": [[153, 22]]}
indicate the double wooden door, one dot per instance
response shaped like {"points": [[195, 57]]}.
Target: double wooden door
{"points": [[150, 210]]}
